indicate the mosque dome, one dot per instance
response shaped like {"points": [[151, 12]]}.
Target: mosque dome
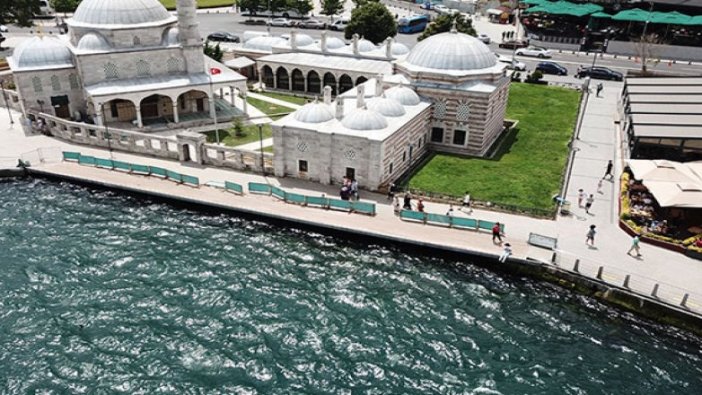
{"points": [[404, 95], [265, 43], [366, 46], [120, 12], [93, 42], [451, 51], [42, 52], [335, 43], [386, 106], [302, 40], [364, 119], [314, 113], [398, 49], [171, 36]]}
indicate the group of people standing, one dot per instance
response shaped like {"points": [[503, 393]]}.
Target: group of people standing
{"points": [[349, 189]]}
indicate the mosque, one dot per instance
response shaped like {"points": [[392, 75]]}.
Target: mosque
{"points": [[129, 63]]}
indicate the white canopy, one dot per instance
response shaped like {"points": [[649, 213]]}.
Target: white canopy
{"points": [[672, 184]]}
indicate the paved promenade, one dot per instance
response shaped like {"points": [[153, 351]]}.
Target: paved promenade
{"points": [[676, 273]]}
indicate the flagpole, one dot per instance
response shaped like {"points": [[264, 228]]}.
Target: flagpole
{"points": [[214, 103]]}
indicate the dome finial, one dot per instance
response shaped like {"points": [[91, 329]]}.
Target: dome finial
{"points": [[454, 30]]}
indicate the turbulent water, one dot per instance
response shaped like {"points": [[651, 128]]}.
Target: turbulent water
{"points": [[102, 293]]}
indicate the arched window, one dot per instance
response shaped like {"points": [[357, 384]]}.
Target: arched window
{"points": [[462, 112], [439, 109], [143, 68], [73, 81], [36, 82], [111, 71], [55, 83], [175, 65], [137, 41]]}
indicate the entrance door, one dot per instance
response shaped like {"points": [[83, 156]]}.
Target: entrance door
{"points": [[186, 153], [149, 107], [60, 104], [200, 104], [350, 173]]}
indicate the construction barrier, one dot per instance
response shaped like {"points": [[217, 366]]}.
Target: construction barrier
{"points": [[449, 221], [71, 156], [234, 187], [255, 187], [313, 201]]}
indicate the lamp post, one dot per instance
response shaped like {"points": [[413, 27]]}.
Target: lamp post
{"points": [[270, 17], [4, 96], [107, 132], [41, 105], [260, 139], [214, 104], [642, 43]]}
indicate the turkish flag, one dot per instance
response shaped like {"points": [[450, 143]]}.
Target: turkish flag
{"points": [[214, 70]]}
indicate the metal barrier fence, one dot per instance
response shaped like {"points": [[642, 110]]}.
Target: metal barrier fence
{"points": [[312, 201], [126, 167], [449, 221], [234, 187]]}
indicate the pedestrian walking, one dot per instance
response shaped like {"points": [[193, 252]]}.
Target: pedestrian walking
{"points": [[407, 202], [507, 251], [420, 206], [635, 246], [396, 205], [497, 233], [466, 203], [354, 189], [581, 196], [449, 213], [391, 191], [588, 203], [590, 236], [599, 89], [599, 187], [608, 171]]}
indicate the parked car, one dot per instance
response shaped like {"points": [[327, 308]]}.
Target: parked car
{"points": [[551, 68], [281, 22], [3, 29], [484, 38], [441, 9], [311, 24], [427, 5], [512, 64], [223, 37], [512, 44], [600, 73], [339, 24], [534, 51]]}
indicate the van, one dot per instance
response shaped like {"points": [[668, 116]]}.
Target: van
{"points": [[339, 24]]}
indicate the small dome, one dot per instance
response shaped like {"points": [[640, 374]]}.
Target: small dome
{"points": [[398, 49], [314, 113], [93, 42], [122, 12], [364, 119], [451, 51], [386, 106], [403, 94], [171, 36], [42, 52], [264, 43], [335, 43], [366, 46], [303, 40]]}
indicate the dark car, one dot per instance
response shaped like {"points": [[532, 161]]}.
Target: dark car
{"points": [[223, 36], [311, 24], [514, 44], [551, 68], [600, 73]]}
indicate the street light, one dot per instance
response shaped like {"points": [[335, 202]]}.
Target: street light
{"points": [[260, 139], [7, 103], [107, 132]]}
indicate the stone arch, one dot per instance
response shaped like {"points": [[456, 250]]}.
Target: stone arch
{"points": [[361, 80], [314, 84], [345, 83], [267, 76], [156, 106], [298, 80], [193, 101], [118, 110], [330, 80], [282, 78]]}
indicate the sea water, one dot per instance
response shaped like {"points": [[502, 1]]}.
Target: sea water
{"points": [[104, 293]]}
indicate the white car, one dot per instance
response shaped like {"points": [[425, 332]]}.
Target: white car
{"points": [[534, 51], [484, 38], [282, 22], [3, 29], [339, 24], [441, 9], [512, 64]]}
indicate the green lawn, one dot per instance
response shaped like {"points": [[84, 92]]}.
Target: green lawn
{"points": [[249, 136], [269, 108], [527, 171], [171, 4], [288, 98]]}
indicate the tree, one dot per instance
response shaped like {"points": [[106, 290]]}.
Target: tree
{"points": [[331, 7], [250, 5], [372, 21], [645, 48], [303, 7], [19, 12], [65, 5], [238, 127], [444, 23], [360, 3], [214, 52]]}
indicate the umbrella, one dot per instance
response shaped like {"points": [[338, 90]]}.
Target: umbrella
{"points": [[601, 14], [534, 2], [634, 14], [669, 18]]}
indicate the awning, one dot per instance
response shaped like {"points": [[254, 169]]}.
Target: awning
{"points": [[672, 184], [239, 63], [565, 8]]}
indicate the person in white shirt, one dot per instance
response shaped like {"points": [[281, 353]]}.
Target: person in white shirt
{"points": [[466, 203], [506, 253]]}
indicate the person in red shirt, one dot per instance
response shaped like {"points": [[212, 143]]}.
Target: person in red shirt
{"points": [[496, 233]]}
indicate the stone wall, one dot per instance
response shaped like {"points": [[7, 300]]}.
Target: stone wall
{"points": [[140, 63], [33, 86]]}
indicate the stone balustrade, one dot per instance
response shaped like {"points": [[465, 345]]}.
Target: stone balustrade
{"points": [[235, 158]]}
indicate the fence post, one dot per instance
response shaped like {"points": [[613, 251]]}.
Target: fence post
{"points": [[599, 272], [304, 201], [626, 281], [576, 266], [655, 291], [684, 300], [554, 257], [424, 218]]}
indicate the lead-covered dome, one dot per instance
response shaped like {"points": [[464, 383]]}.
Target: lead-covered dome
{"points": [[397, 49], [120, 12], [364, 119], [314, 113], [404, 95], [265, 43], [366, 46], [386, 106], [451, 51], [42, 52], [335, 43], [302, 40], [93, 42]]}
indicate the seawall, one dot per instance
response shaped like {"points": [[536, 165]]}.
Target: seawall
{"points": [[622, 298]]}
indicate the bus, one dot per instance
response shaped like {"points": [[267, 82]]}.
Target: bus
{"points": [[412, 24]]}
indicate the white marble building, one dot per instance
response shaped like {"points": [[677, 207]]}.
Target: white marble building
{"points": [[129, 63]]}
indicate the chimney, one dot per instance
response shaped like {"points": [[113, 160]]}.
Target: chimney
{"points": [[354, 44], [339, 108], [388, 47], [379, 85], [188, 31], [293, 38], [327, 95], [323, 42], [360, 92]]}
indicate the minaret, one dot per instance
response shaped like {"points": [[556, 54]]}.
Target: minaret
{"points": [[189, 36]]}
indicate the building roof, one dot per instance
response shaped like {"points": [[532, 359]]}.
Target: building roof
{"points": [[665, 108], [239, 62], [120, 13], [667, 131], [666, 120], [672, 184], [329, 62], [671, 81], [41, 53], [451, 51], [664, 89], [670, 99]]}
